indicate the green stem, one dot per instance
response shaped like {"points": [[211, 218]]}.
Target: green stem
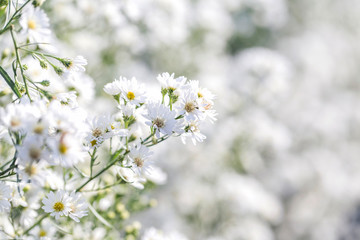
{"points": [[36, 223], [170, 102], [113, 161], [92, 160], [7, 26], [19, 62], [105, 187]]}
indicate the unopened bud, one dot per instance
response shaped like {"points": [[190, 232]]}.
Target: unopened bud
{"points": [[45, 83], [43, 64], [38, 3]]}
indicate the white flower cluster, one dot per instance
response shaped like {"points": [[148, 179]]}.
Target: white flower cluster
{"points": [[59, 156]]}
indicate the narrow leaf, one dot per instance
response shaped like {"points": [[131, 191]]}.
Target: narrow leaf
{"points": [[10, 82]]}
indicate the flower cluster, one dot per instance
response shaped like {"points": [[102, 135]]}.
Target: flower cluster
{"points": [[59, 155]]}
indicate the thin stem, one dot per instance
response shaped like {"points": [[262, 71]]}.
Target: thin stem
{"points": [[7, 170], [105, 187], [19, 62], [5, 28], [159, 140], [170, 102], [92, 160], [114, 160], [36, 223], [145, 140]]}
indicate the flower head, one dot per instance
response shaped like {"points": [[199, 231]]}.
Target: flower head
{"points": [[139, 158], [161, 118], [35, 24], [57, 204], [78, 206]]}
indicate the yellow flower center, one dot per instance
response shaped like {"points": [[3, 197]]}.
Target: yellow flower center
{"points": [[42, 233], [200, 95], [139, 162], [63, 148], [31, 24], [190, 107], [112, 126], [159, 122], [58, 206], [130, 95], [93, 142], [97, 132], [38, 129], [30, 170], [15, 122]]}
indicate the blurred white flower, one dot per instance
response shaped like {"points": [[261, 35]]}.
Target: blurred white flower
{"points": [[161, 118], [35, 24], [78, 206], [5, 197]]}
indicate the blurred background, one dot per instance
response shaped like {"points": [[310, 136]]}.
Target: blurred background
{"points": [[282, 160]]}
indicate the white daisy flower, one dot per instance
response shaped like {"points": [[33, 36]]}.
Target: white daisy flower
{"points": [[14, 117], [161, 118], [129, 175], [66, 151], [139, 159], [31, 150], [102, 128], [57, 204], [35, 24], [127, 110], [63, 118], [192, 131], [39, 128], [67, 98], [34, 172], [5, 197], [168, 81], [113, 88], [205, 100], [188, 106], [131, 91], [78, 206], [75, 65], [45, 231], [156, 175]]}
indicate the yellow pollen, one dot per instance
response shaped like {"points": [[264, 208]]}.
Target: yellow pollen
{"points": [[112, 127], [63, 148], [96, 132], [190, 107], [38, 129], [31, 24], [93, 142], [159, 122], [139, 162], [31, 170], [58, 206], [130, 95], [42, 233], [200, 95], [15, 122]]}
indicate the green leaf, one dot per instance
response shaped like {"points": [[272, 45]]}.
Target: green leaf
{"points": [[10, 82]]}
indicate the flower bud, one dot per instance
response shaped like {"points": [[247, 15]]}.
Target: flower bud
{"points": [[45, 83], [38, 3]]}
